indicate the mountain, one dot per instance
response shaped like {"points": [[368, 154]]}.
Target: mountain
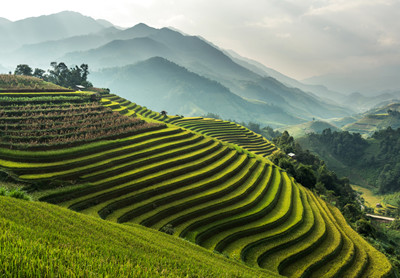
{"points": [[199, 57], [121, 52], [363, 103], [303, 129], [376, 119], [43, 53], [47, 27], [163, 85], [370, 82], [102, 47], [317, 90]]}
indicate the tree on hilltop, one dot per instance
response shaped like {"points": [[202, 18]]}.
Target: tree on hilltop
{"points": [[23, 69], [59, 74]]}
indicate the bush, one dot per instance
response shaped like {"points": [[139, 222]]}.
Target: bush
{"points": [[168, 229], [15, 193], [3, 191]]}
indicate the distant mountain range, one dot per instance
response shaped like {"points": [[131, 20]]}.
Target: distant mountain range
{"points": [[47, 27], [369, 82], [238, 88]]}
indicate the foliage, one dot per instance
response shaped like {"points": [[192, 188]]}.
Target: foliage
{"points": [[59, 74], [312, 172], [212, 115], [349, 146], [15, 193], [23, 69], [376, 158], [269, 133]]}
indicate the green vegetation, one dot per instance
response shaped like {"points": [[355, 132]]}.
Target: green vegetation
{"points": [[40, 240], [14, 193], [206, 180], [10, 82], [312, 171], [372, 162], [303, 129], [375, 120], [60, 74]]}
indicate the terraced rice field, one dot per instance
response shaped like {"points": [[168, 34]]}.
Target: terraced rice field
{"points": [[219, 129], [189, 178]]}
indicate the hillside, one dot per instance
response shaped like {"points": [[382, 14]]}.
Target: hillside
{"points": [[10, 82], [40, 239], [370, 162], [176, 177], [376, 119], [301, 130]]}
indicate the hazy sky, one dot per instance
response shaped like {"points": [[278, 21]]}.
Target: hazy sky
{"points": [[298, 38]]}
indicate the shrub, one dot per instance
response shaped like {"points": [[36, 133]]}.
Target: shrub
{"points": [[19, 194], [168, 229], [3, 191]]}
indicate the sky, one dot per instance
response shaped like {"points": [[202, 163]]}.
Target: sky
{"points": [[298, 38]]}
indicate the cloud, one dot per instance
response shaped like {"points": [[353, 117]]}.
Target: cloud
{"points": [[272, 22]]}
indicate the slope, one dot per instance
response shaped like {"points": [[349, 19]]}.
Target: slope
{"points": [[211, 192], [307, 128], [376, 119], [40, 239]]}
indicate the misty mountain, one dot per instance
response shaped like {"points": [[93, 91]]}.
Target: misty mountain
{"points": [[363, 103], [316, 90], [48, 27], [369, 82], [102, 46], [43, 53], [163, 85], [199, 57], [121, 52]]}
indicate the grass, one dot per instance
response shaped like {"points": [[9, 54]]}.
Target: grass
{"points": [[42, 240]]}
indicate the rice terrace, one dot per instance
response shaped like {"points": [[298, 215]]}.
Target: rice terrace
{"points": [[157, 196]]}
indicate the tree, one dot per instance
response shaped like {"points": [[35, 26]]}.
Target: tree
{"points": [[69, 77], [39, 73], [23, 69], [305, 176]]}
